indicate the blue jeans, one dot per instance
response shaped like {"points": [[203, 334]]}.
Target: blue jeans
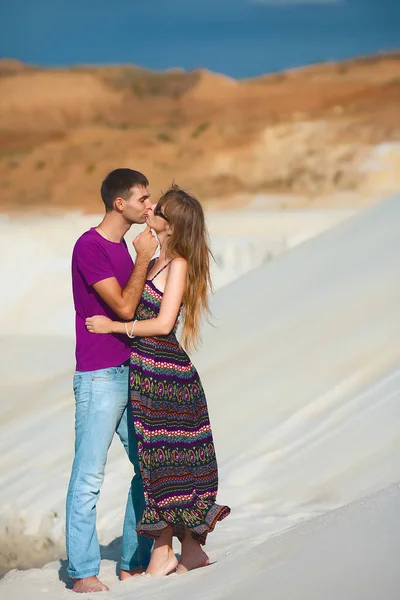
{"points": [[101, 409]]}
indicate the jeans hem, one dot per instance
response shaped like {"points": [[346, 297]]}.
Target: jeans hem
{"points": [[130, 567], [83, 574]]}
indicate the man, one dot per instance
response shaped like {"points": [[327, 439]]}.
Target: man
{"points": [[105, 283]]}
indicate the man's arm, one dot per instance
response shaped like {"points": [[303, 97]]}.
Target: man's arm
{"points": [[125, 301], [161, 325]]}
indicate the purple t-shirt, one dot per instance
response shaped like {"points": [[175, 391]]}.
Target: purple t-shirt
{"points": [[94, 258]]}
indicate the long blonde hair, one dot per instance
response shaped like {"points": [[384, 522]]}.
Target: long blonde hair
{"points": [[189, 239]]}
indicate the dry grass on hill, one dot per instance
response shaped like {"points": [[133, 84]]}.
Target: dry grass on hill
{"points": [[305, 131]]}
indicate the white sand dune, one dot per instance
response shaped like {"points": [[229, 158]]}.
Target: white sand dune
{"points": [[350, 553], [36, 288], [302, 373]]}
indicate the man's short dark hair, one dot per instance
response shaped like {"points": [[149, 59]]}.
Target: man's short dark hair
{"points": [[118, 184]]}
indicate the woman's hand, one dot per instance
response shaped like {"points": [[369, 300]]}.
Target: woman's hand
{"points": [[99, 324]]}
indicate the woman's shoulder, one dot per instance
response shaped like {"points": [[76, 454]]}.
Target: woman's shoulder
{"points": [[178, 260], [178, 266]]}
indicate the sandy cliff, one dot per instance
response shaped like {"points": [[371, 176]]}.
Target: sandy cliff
{"points": [[313, 132]]}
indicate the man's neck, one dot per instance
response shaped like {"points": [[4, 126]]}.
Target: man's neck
{"points": [[113, 228]]}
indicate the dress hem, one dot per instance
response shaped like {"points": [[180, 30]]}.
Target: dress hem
{"points": [[199, 532]]}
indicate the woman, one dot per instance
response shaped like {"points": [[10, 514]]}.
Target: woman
{"points": [[176, 450]]}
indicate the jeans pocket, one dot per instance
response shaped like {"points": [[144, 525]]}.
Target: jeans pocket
{"points": [[76, 384], [105, 375]]}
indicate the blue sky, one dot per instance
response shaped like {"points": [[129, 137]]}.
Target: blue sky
{"points": [[241, 38]]}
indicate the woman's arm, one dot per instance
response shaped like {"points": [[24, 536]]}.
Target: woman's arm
{"points": [[170, 305]]}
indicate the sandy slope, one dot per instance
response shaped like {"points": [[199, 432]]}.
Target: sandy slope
{"points": [[37, 300], [302, 373], [350, 553]]}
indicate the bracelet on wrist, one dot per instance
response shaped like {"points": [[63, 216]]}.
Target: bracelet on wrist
{"points": [[131, 334]]}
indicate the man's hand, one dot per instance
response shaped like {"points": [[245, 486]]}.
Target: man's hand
{"points": [[124, 302], [145, 244]]}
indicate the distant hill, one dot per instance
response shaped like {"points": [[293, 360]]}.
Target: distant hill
{"points": [[306, 131]]}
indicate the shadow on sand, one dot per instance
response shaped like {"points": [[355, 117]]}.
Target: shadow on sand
{"points": [[110, 552]]}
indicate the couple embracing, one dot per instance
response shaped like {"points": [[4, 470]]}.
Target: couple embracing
{"points": [[133, 377]]}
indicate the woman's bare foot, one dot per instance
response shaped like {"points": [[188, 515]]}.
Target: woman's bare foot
{"points": [[192, 561], [192, 556], [163, 562], [89, 584], [129, 574]]}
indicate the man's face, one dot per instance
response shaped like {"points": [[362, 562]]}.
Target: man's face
{"points": [[135, 209]]}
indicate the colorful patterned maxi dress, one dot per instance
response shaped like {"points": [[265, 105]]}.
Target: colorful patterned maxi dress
{"points": [[175, 445]]}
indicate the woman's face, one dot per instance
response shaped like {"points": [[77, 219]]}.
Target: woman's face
{"points": [[156, 219]]}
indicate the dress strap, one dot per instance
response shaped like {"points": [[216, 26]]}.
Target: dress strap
{"points": [[162, 269]]}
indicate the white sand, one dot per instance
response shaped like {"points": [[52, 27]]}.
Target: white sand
{"points": [[302, 373], [35, 271], [347, 554]]}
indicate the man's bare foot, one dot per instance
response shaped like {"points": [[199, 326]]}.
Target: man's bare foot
{"points": [[192, 557], [163, 562], [129, 574], [89, 584]]}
